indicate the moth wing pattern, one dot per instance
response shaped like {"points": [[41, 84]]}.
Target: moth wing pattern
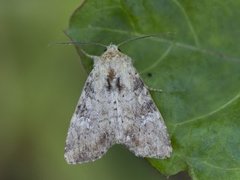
{"points": [[115, 107], [89, 135], [144, 131]]}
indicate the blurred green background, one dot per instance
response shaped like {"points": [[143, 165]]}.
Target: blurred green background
{"points": [[40, 86]]}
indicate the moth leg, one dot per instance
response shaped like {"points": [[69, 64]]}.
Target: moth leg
{"points": [[88, 55], [153, 89]]}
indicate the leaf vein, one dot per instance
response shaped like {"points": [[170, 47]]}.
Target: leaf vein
{"points": [[218, 167], [210, 113], [195, 37], [168, 50]]}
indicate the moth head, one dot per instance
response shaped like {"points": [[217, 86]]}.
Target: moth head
{"points": [[112, 50], [112, 47]]}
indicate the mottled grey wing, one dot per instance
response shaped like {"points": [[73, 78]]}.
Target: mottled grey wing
{"points": [[90, 133], [143, 128]]}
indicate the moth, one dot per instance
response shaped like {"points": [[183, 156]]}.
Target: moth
{"points": [[115, 107]]}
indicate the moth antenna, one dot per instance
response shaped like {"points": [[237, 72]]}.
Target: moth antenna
{"points": [[137, 38], [82, 43]]}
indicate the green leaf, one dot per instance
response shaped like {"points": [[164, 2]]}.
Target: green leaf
{"points": [[200, 101]]}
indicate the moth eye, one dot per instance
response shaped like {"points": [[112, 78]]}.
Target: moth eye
{"points": [[119, 50]]}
